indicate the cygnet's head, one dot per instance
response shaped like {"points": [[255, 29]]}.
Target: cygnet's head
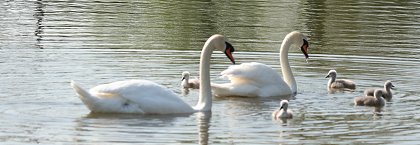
{"points": [[378, 93], [332, 73], [185, 75], [219, 43], [388, 84], [284, 104]]}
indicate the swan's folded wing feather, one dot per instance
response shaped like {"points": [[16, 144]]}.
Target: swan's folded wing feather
{"points": [[149, 96], [256, 72], [228, 89]]}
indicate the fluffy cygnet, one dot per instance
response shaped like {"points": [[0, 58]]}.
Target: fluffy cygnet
{"points": [[339, 83], [189, 83], [282, 112], [376, 100], [386, 92]]}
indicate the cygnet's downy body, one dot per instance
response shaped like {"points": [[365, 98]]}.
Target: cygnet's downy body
{"points": [[282, 112], [335, 83], [189, 83], [376, 100], [386, 92]]}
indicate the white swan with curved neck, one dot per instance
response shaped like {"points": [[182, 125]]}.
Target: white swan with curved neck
{"points": [[147, 97], [259, 80]]}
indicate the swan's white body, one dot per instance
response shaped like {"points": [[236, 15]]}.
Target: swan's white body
{"points": [[259, 80], [187, 83], [146, 97], [282, 112], [132, 96], [252, 80]]}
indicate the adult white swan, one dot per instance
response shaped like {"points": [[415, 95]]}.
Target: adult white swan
{"points": [[146, 97], [259, 80]]}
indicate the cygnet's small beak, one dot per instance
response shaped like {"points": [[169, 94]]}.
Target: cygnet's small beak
{"points": [[183, 78], [327, 76]]}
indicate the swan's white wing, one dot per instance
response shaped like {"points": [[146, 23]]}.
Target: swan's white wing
{"points": [[150, 97], [228, 89], [252, 72], [251, 80]]}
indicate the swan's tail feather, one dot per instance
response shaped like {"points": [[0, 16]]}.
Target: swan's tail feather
{"points": [[79, 90], [85, 96]]}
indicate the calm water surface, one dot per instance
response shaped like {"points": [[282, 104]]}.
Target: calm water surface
{"points": [[45, 44]]}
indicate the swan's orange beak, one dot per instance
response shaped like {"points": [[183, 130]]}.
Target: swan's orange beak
{"points": [[304, 48], [228, 52]]}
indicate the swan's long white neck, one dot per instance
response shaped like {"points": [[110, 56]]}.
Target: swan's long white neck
{"points": [[205, 97], [285, 67]]}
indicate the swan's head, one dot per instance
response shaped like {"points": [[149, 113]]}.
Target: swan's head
{"points": [[332, 73], [377, 93], [300, 40], [284, 104], [219, 43], [185, 75], [388, 84]]}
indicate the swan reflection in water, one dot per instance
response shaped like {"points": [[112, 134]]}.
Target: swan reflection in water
{"points": [[136, 128]]}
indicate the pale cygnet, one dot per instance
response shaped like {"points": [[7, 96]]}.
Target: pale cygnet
{"points": [[386, 92], [189, 83], [282, 112], [376, 100], [339, 83]]}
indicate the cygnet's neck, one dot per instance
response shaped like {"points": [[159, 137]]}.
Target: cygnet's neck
{"points": [[387, 89], [332, 80]]}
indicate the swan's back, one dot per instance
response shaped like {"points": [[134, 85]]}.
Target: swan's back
{"points": [[149, 97], [252, 72], [252, 80]]}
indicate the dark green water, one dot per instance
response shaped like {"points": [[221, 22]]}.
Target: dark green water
{"points": [[45, 44]]}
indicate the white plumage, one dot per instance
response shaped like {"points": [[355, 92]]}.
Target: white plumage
{"points": [[146, 97], [252, 80], [132, 96]]}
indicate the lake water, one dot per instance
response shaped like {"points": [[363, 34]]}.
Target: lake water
{"points": [[45, 44]]}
